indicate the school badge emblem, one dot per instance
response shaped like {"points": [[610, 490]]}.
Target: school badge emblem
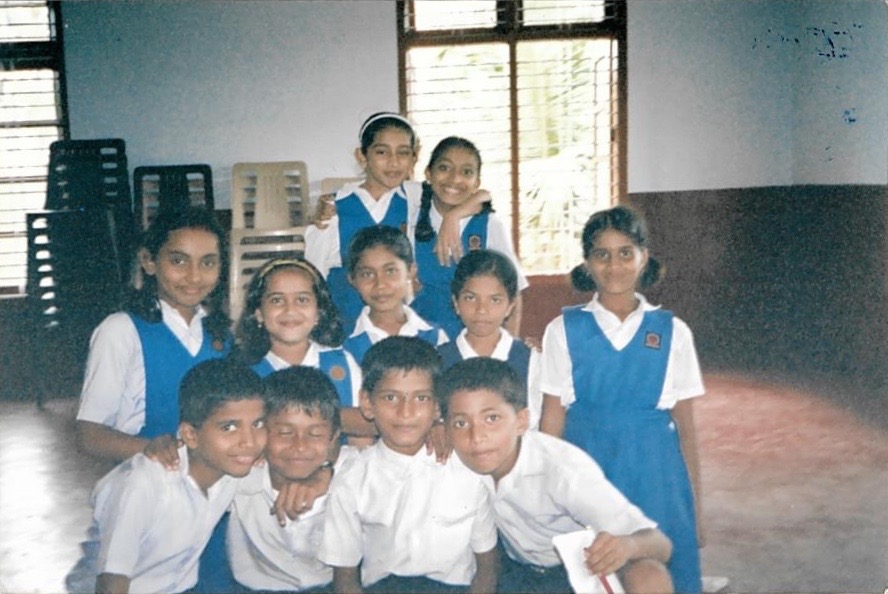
{"points": [[474, 242], [403, 227], [218, 345], [337, 373], [652, 340]]}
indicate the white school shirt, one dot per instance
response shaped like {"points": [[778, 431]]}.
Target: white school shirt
{"points": [[313, 359], [322, 245], [266, 556], [501, 353], [683, 376], [152, 523], [499, 238], [555, 488], [113, 391], [411, 327], [407, 516]]}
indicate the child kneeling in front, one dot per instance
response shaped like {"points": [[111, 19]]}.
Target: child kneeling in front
{"points": [[153, 523], [542, 486], [303, 430], [398, 521]]}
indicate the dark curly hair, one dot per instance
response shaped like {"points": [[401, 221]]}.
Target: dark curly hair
{"points": [[253, 338]]}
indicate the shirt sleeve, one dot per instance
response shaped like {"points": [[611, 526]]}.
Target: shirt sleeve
{"points": [[343, 538], [556, 370], [484, 532], [594, 501], [123, 521], [322, 246], [112, 373], [500, 239], [684, 377], [534, 393]]}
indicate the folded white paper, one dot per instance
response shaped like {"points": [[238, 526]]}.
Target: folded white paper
{"points": [[570, 547]]}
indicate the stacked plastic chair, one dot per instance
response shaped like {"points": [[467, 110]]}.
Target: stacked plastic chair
{"points": [[158, 188], [268, 217], [78, 252]]}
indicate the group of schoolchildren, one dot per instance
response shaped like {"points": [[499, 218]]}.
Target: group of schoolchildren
{"points": [[373, 424]]}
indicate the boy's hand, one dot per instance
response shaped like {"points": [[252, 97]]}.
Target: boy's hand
{"points": [[438, 441], [608, 553], [297, 498], [324, 211], [164, 449]]}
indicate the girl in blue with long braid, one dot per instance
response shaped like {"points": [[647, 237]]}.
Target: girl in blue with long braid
{"points": [[453, 179], [290, 319], [619, 377]]}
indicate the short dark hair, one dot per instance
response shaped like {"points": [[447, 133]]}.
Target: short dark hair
{"points": [[482, 373], [212, 384], [303, 388], [402, 353], [368, 238], [485, 262]]}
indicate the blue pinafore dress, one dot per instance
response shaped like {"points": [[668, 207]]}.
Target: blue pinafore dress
{"points": [[359, 344], [166, 363], [615, 419], [353, 217], [518, 358], [433, 301], [334, 365]]}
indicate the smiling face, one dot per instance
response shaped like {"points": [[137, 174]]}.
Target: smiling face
{"points": [[388, 161], [298, 443], [289, 307], [616, 263], [454, 177], [382, 279], [403, 406], [186, 268], [485, 431], [229, 441], [482, 305]]}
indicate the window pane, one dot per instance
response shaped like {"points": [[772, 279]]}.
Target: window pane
{"points": [[562, 12], [464, 91], [24, 21], [438, 15], [565, 118]]}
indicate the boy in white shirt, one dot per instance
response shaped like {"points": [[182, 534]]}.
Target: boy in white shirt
{"points": [[398, 521], [542, 486], [303, 436], [152, 523]]}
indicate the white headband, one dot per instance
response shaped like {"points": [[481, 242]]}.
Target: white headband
{"points": [[382, 116]]}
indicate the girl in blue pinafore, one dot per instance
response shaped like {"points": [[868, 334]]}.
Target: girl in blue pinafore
{"points": [[130, 397], [289, 319], [619, 377], [387, 154], [453, 178]]}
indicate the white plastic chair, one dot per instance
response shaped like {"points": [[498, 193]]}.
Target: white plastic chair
{"points": [[272, 195]]}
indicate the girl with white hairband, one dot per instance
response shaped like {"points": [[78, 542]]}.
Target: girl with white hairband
{"points": [[387, 154]]}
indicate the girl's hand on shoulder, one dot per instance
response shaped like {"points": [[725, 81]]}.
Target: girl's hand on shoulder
{"points": [[533, 343], [438, 442], [608, 553], [164, 449], [449, 244], [325, 209]]}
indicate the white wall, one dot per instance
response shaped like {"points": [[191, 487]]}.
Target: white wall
{"points": [[720, 94], [743, 93], [223, 82]]}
